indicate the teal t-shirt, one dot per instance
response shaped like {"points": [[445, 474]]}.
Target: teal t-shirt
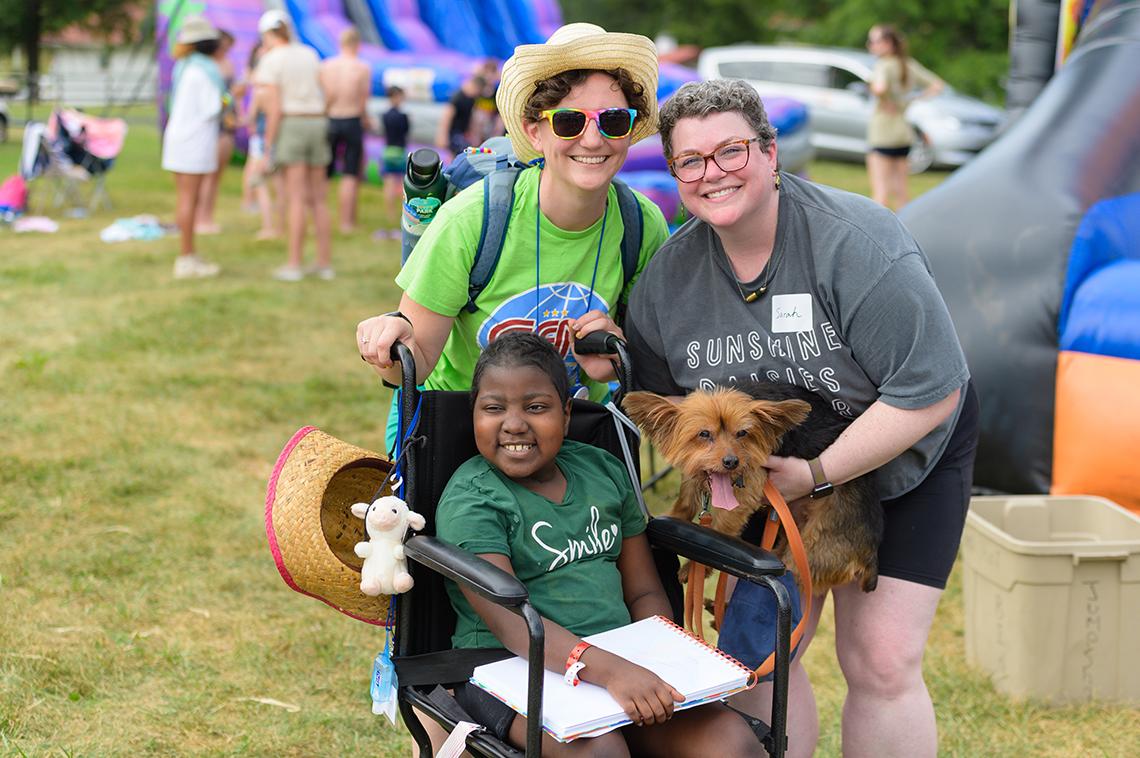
{"points": [[565, 553], [524, 293]]}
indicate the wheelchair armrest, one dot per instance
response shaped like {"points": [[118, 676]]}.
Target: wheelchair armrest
{"points": [[713, 549], [468, 569]]}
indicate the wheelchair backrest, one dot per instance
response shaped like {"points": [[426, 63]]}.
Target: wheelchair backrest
{"points": [[442, 440]]}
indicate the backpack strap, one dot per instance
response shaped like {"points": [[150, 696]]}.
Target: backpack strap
{"points": [[632, 223], [498, 200]]}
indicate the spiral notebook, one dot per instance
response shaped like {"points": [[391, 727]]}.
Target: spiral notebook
{"points": [[697, 670]]}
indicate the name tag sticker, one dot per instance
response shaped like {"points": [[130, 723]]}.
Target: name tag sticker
{"points": [[791, 313]]}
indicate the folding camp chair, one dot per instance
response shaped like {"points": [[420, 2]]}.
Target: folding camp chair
{"points": [[75, 152], [436, 436]]}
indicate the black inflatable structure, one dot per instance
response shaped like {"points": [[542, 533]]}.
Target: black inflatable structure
{"points": [[999, 234]]}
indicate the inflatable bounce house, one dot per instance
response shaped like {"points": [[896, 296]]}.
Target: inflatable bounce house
{"points": [[1036, 248], [427, 47]]}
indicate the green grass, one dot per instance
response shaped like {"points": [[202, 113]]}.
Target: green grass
{"points": [[142, 613]]}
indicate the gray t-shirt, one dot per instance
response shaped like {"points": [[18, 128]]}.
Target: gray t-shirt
{"points": [[851, 312]]}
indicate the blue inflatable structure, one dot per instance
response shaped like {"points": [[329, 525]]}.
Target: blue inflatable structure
{"points": [[319, 23]]}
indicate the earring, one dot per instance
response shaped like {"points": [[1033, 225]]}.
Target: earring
{"points": [[777, 175]]}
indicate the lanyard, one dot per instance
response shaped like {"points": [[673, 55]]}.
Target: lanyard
{"points": [[537, 255]]}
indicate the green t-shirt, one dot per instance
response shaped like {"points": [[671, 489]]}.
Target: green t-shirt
{"points": [[565, 553], [438, 273]]}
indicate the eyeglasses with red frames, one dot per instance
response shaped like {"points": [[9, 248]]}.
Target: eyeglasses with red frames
{"points": [[731, 156], [570, 123]]}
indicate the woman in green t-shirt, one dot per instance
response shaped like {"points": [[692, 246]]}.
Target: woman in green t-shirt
{"points": [[889, 136], [577, 102]]}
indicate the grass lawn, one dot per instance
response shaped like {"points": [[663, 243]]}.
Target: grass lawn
{"points": [[142, 613]]}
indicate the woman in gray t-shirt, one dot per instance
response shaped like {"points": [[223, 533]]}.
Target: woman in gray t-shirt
{"points": [[778, 279]]}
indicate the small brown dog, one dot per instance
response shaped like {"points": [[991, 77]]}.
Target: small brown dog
{"points": [[720, 441]]}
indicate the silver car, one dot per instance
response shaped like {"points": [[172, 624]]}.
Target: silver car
{"points": [[950, 128]]}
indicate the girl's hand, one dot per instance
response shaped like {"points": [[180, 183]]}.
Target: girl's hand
{"points": [[643, 695], [375, 337], [597, 367]]}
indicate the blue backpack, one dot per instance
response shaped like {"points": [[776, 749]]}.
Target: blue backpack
{"points": [[495, 164]]}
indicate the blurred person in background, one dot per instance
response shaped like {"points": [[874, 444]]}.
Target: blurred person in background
{"points": [[347, 83], [296, 139], [190, 139], [486, 122], [258, 177], [227, 125], [396, 128], [454, 134], [889, 135]]}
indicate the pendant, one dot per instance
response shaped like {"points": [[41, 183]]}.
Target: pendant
{"points": [[753, 296]]}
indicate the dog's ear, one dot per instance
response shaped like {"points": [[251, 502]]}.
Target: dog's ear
{"points": [[781, 415], [653, 413]]}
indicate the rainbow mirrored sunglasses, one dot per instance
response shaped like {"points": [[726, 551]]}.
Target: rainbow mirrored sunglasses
{"points": [[570, 123]]}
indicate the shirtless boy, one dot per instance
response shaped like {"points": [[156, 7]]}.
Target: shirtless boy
{"points": [[347, 83]]}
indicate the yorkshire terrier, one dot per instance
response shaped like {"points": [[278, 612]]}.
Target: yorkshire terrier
{"points": [[720, 441]]}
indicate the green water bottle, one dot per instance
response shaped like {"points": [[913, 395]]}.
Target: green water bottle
{"points": [[425, 189]]}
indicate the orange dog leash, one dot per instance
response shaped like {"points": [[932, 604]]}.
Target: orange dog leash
{"points": [[694, 593]]}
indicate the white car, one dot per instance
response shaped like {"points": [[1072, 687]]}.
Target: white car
{"points": [[950, 128]]}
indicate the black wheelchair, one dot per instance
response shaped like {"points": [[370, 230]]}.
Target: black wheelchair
{"points": [[435, 438]]}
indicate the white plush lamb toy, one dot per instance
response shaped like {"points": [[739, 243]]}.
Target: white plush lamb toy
{"points": [[385, 571]]}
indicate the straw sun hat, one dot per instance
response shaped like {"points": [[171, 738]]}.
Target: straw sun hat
{"points": [[575, 46], [310, 528], [196, 29]]}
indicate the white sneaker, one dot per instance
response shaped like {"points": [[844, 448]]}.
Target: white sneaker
{"points": [[288, 274], [193, 267], [322, 272]]}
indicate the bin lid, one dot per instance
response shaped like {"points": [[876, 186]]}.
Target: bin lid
{"points": [[1079, 525]]}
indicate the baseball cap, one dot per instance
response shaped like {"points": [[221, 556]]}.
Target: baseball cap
{"points": [[274, 18]]}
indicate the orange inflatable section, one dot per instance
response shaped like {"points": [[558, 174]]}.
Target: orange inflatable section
{"points": [[1096, 433]]}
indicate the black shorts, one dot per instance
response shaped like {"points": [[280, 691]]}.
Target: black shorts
{"points": [[922, 529], [346, 140], [892, 152], [486, 709]]}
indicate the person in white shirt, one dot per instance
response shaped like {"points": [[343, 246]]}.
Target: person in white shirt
{"points": [[190, 140]]}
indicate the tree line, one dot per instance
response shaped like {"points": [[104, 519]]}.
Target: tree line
{"points": [[966, 42]]}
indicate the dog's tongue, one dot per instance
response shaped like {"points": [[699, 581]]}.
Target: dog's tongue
{"points": [[722, 495]]}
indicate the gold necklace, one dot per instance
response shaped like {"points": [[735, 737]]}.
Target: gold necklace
{"points": [[756, 294]]}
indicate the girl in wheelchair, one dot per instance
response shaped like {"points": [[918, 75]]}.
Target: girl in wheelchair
{"points": [[562, 516]]}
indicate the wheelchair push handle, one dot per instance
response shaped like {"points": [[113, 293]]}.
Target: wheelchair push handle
{"points": [[402, 354], [608, 343], [595, 343]]}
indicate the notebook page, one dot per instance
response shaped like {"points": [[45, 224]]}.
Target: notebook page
{"points": [[695, 669]]}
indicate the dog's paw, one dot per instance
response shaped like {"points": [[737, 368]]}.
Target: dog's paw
{"points": [[870, 581]]}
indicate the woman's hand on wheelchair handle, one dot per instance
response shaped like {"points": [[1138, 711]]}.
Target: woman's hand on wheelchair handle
{"points": [[598, 367], [375, 337]]}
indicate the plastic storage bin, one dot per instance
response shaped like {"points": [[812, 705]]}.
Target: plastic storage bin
{"points": [[1052, 595]]}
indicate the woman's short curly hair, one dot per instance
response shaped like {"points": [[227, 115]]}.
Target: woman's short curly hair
{"points": [[548, 93], [701, 99]]}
